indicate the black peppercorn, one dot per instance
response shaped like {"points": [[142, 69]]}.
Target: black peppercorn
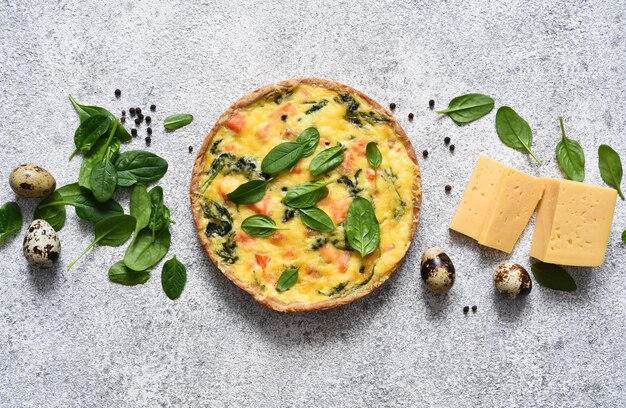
{"points": [[132, 111], [148, 119], [148, 140], [138, 110], [446, 140], [190, 147], [123, 113], [451, 148], [283, 117], [140, 116], [284, 189], [431, 104], [133, 132], [466, 309], [425, 153], [149, 130], [448, 188], [392, 106], [153, 107], [411, 116], [474, 308], [118, 93], [137, 121], [123, 119]]}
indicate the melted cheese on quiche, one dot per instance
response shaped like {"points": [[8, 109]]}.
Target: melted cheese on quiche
{"points": [[328, 268]]}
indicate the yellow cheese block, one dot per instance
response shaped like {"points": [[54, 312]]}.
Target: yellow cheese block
{"points": [[573, 223], [497, 204]]}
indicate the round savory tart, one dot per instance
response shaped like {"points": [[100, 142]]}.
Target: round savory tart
{"points": [[306, 194]]}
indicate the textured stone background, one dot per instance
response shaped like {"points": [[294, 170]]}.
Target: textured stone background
{"points": [[75, 339]]}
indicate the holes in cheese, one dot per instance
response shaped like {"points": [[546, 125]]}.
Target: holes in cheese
{"points": [[497, 204], [573, 223]]}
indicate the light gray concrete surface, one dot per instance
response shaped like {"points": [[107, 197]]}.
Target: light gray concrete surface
{"points": [[71, 339]]}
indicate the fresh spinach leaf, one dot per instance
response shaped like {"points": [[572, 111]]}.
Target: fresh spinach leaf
{"points": [[159, 213], [316, 219], [249, 193], [220, 220], [94, 156], [362, 228], [144, 252], [352, 186], [514, 131], [282, 157], [138, 166], [624, 236], [111, 231], [610, 168], [468, 108], [571, 156], [140, 207], [316, 106], [306, 194], [173, 278], [84, 112], [119, 273], [374, 157], [309, 138], [327, 160], [177, 121], [89, 209], [52, 210], [10, 220], [553, 277], [259, 225], [89, 132], [103, 179], [287, 279], [228, 250]]}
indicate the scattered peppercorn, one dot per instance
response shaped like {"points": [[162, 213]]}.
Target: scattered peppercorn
{"points": [[474, 308], [123, 113], [133, 132], [451, 148], [148, 119], [284, 189], [148, 140], [327, 142], [138, 110], [392, 106], [123, 119], [431, 104], [411, 116], [132, 111], [140, 115], [466, 309], [137, 121], [448, 188], [190, 147], [149, 130], [283, 118], [446, 140], [425, 153], [118, 93], [153, 107]]}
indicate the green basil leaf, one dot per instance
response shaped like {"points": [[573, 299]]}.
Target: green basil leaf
{"points": [[468, 108], [259, 225], [177, 121], [514, 131], [111, 231], [282, 157], [85, 112], [374, 157], [316, 219], [306, 194], [249, 193], [173, 278], [95, 156], [52, 210], [309, 138], [287, 279], [610, 168], [119, 273], [553, 277], [10, 220], [140, 207], [327, 160], [138, 166], [103, 179], [571, 156], [145, 252], [89, 131], [362, 228]]}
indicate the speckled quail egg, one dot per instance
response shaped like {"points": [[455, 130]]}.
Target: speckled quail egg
{"points": [[512, 279], [41, 244], [437, 270], [31, 181]]}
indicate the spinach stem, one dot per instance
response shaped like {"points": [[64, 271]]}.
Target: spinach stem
{"points": [[81, 255], [55, 203]]}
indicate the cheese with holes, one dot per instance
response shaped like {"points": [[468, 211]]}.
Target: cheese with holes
{"points": [[573, 223], [497, 204]]}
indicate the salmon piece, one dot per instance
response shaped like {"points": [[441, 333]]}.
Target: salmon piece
{"points": [[262, 259], [277, 236], [263, 206], [348, 162], [370, 174], [236, 122], [286, 109], [326, 200], [227, 185], [290, 253], [264, 132], [244, 238], [335, 256], [359, 146], [312, 271], [389, 247], [230, 147], [339, 209]]}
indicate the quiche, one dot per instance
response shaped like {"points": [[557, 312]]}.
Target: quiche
{"points": [[306, 194]]}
